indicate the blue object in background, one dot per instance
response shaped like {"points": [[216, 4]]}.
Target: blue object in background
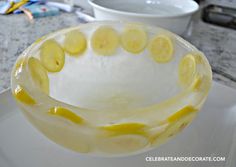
{"points": [[39, 10]]}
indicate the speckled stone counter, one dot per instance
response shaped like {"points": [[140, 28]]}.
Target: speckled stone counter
{"points": [[17, 33], [219, 45]]}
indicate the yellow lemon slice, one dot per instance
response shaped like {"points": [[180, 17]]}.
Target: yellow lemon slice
{"points": [[66, 114], [201, 83], [122, 144], [125, 128], [37, 41], [197, 83], [105, 41], [177, 123], [187, 69], [181, 113], [19, 65], [22, 96], [75, 42], [161, 48], [134, 39], [39, 74], [52, 56]]}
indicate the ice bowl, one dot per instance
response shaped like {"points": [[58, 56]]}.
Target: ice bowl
{"points": [[111, 88]]}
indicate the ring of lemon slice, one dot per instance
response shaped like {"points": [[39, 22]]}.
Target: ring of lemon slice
{"points": [[75, 43], [187, 69], [134, 39], [125, 128], [19, 65], [161, 48], [177, 122], [105, 41], [52, 56], [66, 114], [39, 74], [123, 137], [22, 95]]}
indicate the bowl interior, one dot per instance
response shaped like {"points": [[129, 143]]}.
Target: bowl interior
{"points": [[159, 8], [120, 81]]}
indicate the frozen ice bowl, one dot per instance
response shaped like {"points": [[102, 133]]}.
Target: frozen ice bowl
{"points": [[111, 88]]}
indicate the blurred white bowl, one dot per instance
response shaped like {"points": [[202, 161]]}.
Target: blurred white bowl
{"points": [[84, 4], [173, 15]]}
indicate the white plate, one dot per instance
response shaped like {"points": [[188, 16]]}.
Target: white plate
{"points": [[212, 133]]}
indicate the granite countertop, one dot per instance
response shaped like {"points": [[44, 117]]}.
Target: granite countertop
{"points": [[219, 46], [17, 33]]}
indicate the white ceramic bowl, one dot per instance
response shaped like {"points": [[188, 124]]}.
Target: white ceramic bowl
{"points": [[84, 4], [173, 15]]}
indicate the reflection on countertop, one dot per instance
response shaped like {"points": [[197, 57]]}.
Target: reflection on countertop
{"points": [[17, 33]]}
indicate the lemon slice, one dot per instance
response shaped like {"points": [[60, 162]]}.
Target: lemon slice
{"points": [[66, 114], [201, 83], [181, 113], [177, 123], [105, 41], [161, 48], [125, 128], [22, 96], [197, 83], [122, 144], [134, 40], [19, 65], [39, 74], [37, 41], [52, 56], [75, 42], [187, 69]]}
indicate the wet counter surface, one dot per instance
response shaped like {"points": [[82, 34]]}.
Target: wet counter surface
{"points": [[17, 33]]}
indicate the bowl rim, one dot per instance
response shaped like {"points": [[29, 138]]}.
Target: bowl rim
{"points": [[182, 94], [144, 15]]}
